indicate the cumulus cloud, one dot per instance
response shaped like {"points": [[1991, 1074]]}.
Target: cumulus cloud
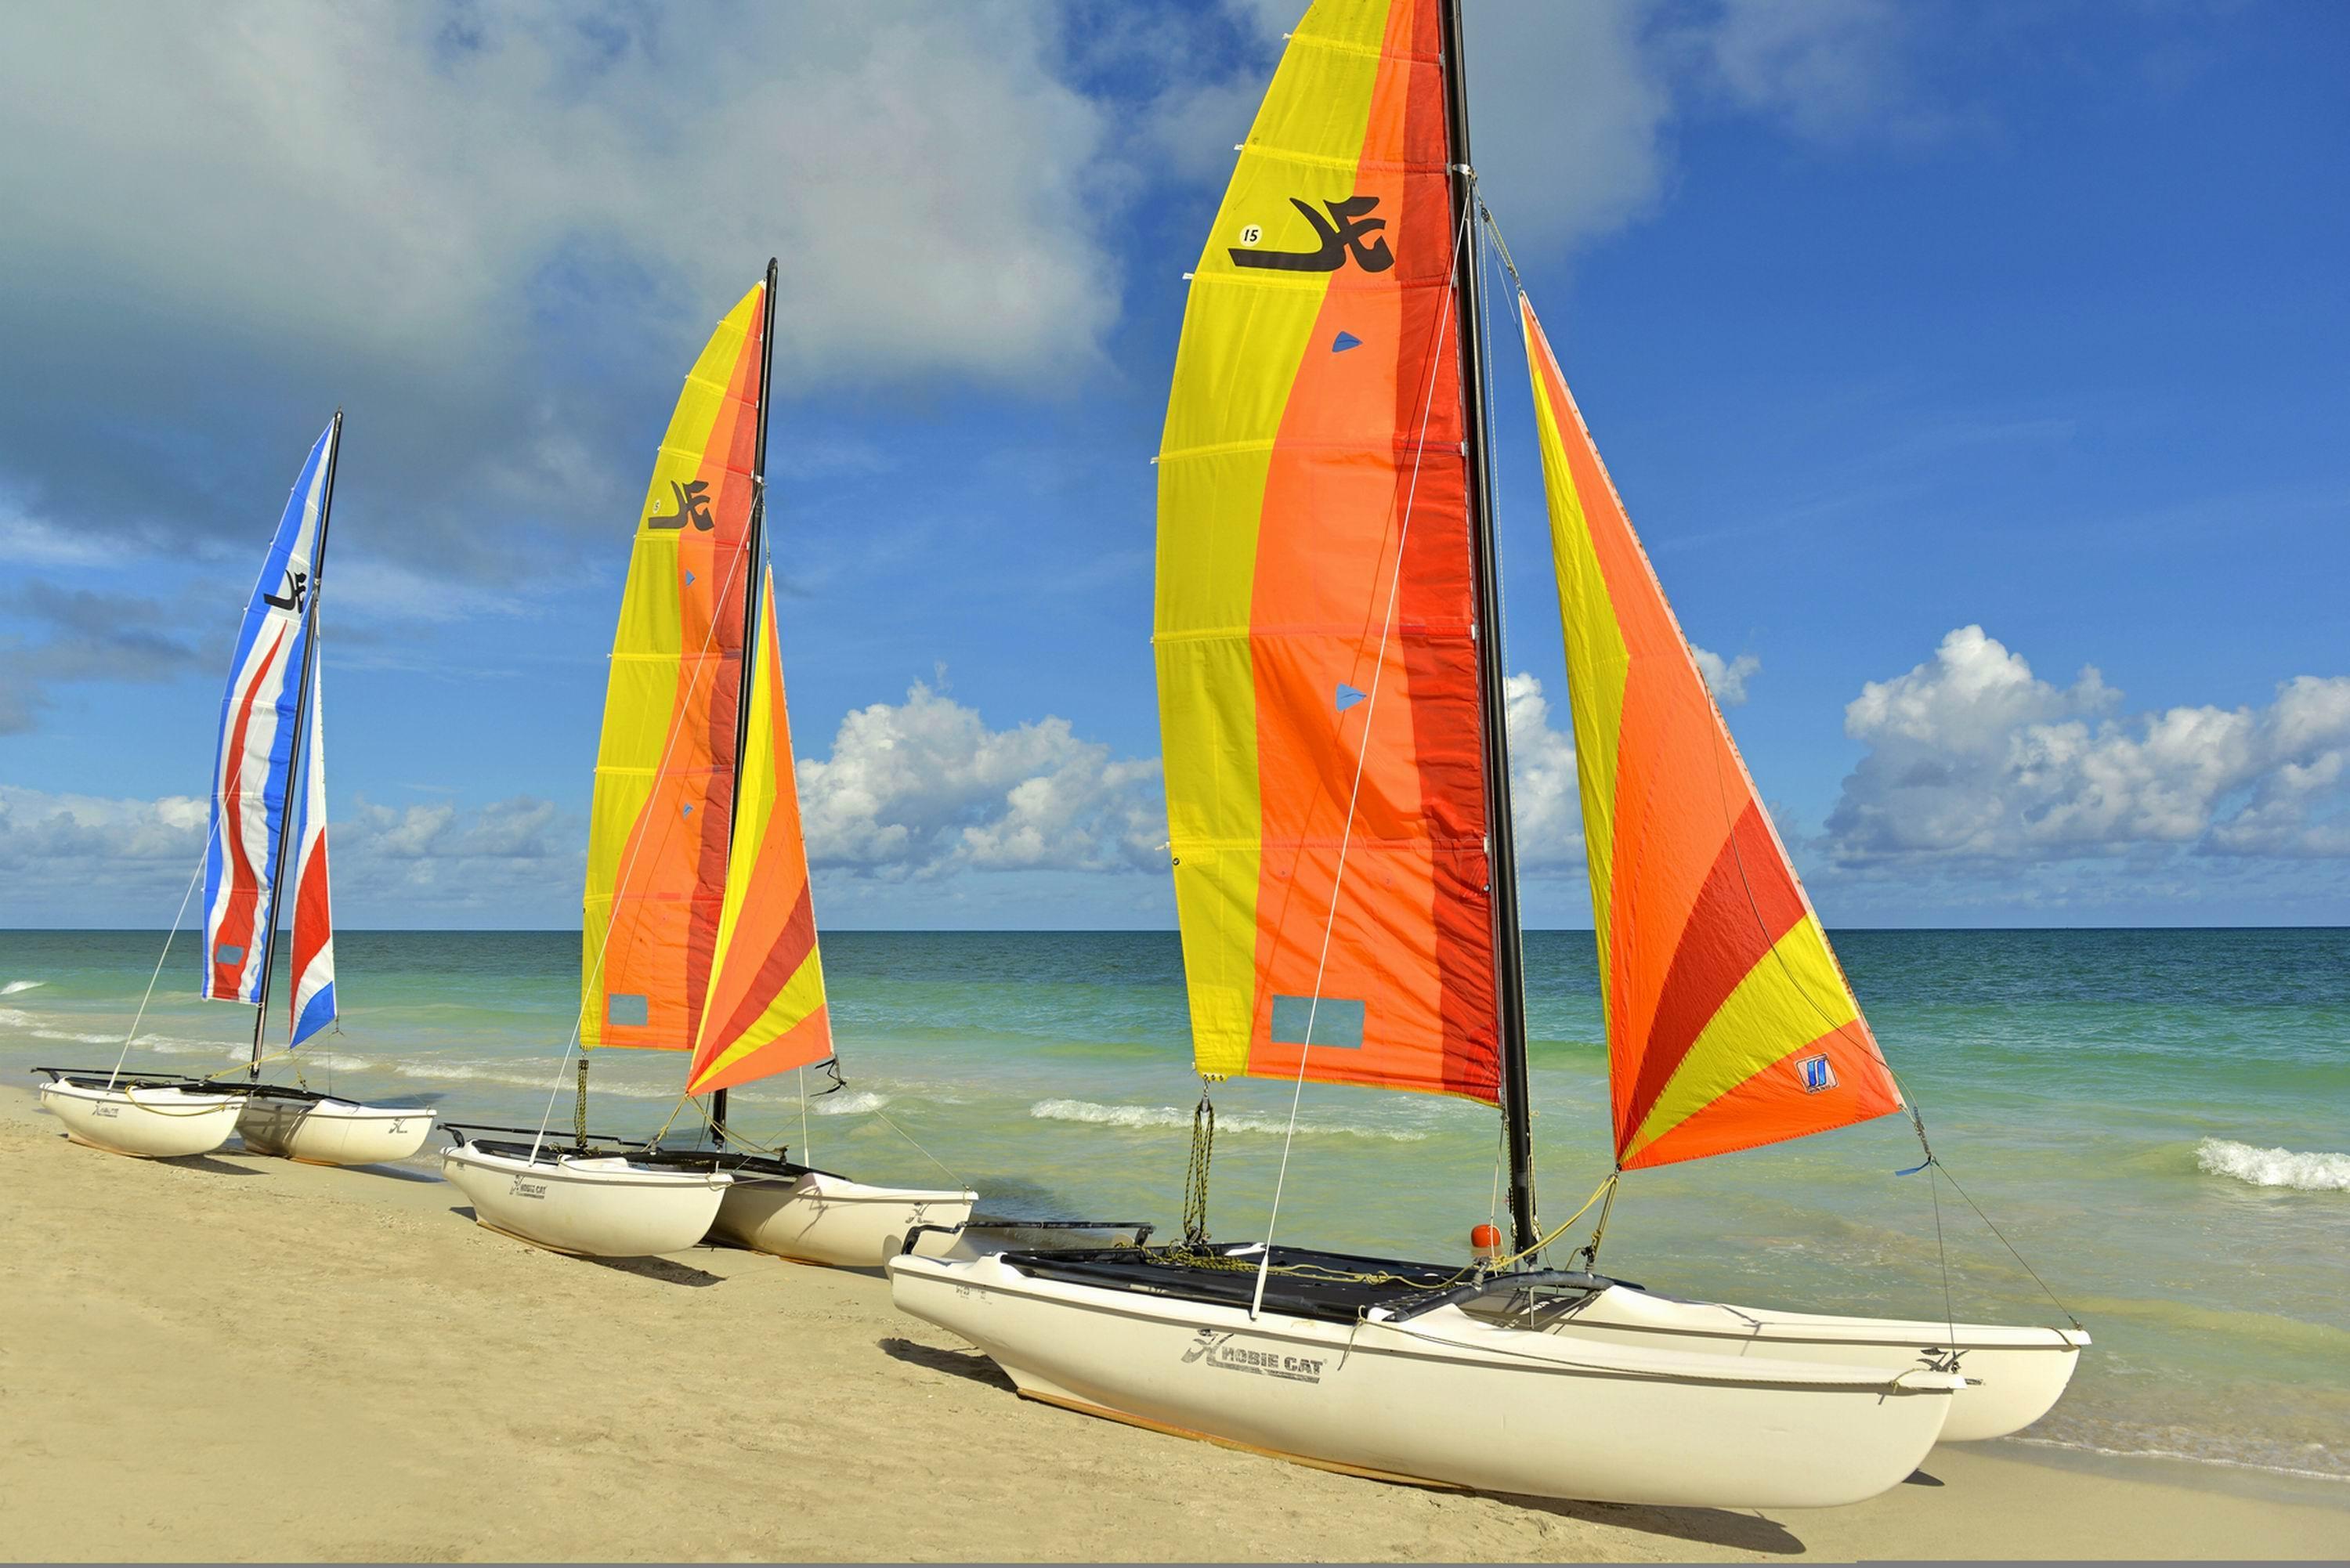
{"points": [[924, 787], [1973, 757], [471, 223], [1545, 801], [68, 635], [1726, 678], [1824, 67], [74, 859]]}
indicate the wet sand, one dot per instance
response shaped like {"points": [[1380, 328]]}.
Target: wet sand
{"points": [[237, 1357]]}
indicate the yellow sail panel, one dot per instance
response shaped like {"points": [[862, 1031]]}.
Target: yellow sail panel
{"points": [[1316, 593], [1729, 1022], [659, 824], [767, 1012]]}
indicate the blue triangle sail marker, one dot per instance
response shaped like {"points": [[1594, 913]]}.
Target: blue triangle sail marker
{"points": [[1344, 341], [1348, 696]]}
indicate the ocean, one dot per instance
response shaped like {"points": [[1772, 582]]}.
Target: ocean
{"points": [[2157, 1120]]}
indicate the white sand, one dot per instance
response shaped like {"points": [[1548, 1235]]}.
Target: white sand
{"points": [[234, 1358]]}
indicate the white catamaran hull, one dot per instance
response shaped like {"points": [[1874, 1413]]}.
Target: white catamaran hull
{"points": [[819, 1218], [603, 1207], [1443, 1397], [151, 1123], [2014, 1374], [333, 1132]]}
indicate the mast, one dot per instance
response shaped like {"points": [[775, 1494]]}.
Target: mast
{"points": [[294, 761], [756, 549], [1508, 953]]}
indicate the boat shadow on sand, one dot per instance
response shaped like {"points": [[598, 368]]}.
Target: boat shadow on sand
{"points": [[969, 1365], [662, 1270]]}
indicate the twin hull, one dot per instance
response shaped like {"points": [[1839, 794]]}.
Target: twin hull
{"points": [[326, 1131], [611, 1206], [2014, 1374], [819, 1218], [600, 1206], [1446, 1397], [153, 1123]]}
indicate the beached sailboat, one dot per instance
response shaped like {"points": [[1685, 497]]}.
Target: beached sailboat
{"points": [[272, 743], [699, 934], [1332, 702]]}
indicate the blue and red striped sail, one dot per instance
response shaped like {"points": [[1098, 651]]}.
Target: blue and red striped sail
{"points": [[312, 990], [253, 772]]}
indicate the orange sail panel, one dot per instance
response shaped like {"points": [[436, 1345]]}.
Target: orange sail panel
{"points": [[1729, 1022], [766, 1010], [665, 774], [1316, 589]]}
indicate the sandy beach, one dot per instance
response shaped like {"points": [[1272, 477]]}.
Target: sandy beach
{"points": [[236, 1357]]}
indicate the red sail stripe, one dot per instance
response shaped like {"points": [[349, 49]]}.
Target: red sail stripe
{"points": [[245, 884]]}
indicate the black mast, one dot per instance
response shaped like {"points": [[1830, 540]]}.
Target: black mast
{"points": [[294, 764], [1509, 954], [756, 549]]}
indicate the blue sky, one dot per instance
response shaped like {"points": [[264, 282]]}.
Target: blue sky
{"points": [[1974, 374]]}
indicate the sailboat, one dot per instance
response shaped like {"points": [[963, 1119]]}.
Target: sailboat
{"points": [[1332, 707], [699, 933], [272, 743]]}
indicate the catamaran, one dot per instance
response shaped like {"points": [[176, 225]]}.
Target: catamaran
{"points": [[1332, 707], [272, 740], [699, 933]]}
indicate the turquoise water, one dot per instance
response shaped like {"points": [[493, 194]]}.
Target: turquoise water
{"points": [[2158, 1120]]}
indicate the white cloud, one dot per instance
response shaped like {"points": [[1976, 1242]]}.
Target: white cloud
{"points": [[68, 859], [1971, 756], [924, 787], [1545, 801], [473, 225], [1825, 67], [1726, 678]]}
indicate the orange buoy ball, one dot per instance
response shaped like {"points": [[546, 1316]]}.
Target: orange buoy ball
{"points": [[1484, 1243]]}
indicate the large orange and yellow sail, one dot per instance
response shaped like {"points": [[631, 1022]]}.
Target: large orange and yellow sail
{"points": [[1730, 1024], [663, 806], [1318, 660], [765, 1011]]}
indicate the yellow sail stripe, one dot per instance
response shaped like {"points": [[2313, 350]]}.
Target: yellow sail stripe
{"points": [[648, 653], [1792, 997], [1244, 336], [1595, 644]]}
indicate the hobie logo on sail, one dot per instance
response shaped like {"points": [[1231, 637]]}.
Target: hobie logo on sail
{"points": [[692, 500], [1348, 230], [1817, 1073], [296, 585]]}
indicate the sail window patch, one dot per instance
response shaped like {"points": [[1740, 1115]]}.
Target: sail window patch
{"points": [[1344, 341], [1817, 1073], [228, 952], [626, 1012], [1338, 1022]]}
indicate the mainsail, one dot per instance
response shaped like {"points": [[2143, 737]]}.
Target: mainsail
{"points": [[1316, 643], [253, 766], [312, 993], [1729, 1022], [663, 805], [766, 1010]]}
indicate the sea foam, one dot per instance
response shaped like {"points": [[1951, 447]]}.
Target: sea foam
{"points": [[15, 986], [2274, 1167], [1226, 1121]]}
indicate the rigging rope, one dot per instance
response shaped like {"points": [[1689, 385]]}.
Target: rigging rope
{"points": [[1362, 756], [1195, 1179], [169, 936]]}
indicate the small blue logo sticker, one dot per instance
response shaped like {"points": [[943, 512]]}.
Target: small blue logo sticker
{"points": [[1344, 341], [1349, 697], [1817, 1073]]}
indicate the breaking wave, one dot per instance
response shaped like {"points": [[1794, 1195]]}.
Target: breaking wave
{"points": [[77, 1039], [2274, 1167], [12, 1019], [848, 1105], [1226, 1121], [14, 986], [543, 1081]]}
